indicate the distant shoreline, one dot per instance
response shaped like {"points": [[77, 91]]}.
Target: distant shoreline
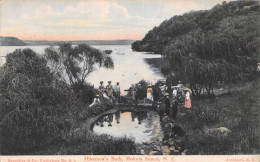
{"points": [[13, 41]]}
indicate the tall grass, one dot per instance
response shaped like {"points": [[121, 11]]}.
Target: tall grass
{"points": [[87, 143], [237, 110]]}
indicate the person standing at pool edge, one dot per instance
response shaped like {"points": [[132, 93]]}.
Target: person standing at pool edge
{"points": [[117, 91], [150, 93], [101, 89], [187, 98], [109, 89]]}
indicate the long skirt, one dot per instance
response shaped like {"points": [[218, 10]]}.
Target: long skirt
{"points": [[150, 96], [188, 103], [110, 93]]}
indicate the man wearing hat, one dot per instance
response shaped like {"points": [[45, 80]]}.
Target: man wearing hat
{"points": [[117, 91]]}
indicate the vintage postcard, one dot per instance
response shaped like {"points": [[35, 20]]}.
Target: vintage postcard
{"points": [[129, 80]]}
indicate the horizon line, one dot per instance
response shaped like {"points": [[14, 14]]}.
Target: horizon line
{"points": [[70, 40], [81, 40]]}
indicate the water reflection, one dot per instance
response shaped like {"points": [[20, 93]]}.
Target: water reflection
{"points": [[140, 125], [117, 116]]}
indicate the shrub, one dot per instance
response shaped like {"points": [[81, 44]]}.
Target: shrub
{"points": [[35, 107], [87, 143]]}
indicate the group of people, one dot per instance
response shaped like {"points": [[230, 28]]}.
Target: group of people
{"points": [[136, 93], [172, 95], [108, 92], [179, 94]]}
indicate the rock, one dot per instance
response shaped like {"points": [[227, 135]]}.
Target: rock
{"points": [[184, 152], [166, 153], [172, 148], [165, 149], [155, 122], [171, 142], [157, 148], [222, 131], [154, 153], [147, 142], [142, 152]]}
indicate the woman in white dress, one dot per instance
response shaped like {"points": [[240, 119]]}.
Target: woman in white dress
{"points": [[150, 93]]}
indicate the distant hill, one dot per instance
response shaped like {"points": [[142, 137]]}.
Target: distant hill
{"points": [[89, 42], [11, 41], [230, 15]]}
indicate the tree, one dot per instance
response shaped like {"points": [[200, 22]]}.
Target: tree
{"points": [[36, 108], [202, 58], [76, 63]]}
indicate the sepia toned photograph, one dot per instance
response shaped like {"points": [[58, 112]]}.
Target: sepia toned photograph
{"points": [[157, 78]]}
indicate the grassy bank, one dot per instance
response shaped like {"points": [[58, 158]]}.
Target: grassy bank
{"points": [[237, 110], [88, 143]]}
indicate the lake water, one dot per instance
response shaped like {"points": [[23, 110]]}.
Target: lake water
{"points": [[130, 67], [140, 125]]}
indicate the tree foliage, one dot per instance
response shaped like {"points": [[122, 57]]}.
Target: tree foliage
{"points": [[36, 108], [75, 63], [203, 47]]}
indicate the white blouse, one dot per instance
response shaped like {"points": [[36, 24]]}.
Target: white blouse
{"points": [[187, 95]]}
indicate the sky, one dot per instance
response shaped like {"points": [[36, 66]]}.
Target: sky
{"points": [[90, 19]]}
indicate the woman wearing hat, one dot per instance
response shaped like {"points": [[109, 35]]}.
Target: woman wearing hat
{"points": [[150, 93], [187, 98], [101, 88], [109, 89], [96, 100]]}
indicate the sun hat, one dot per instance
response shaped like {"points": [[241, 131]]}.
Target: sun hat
{"points": [[187, 89]]}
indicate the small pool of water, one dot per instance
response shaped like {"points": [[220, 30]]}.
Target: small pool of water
{"points": [[140, 125]]}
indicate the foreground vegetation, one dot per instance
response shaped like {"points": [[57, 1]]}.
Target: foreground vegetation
{"points": [[237, 110], [40, 107]]}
